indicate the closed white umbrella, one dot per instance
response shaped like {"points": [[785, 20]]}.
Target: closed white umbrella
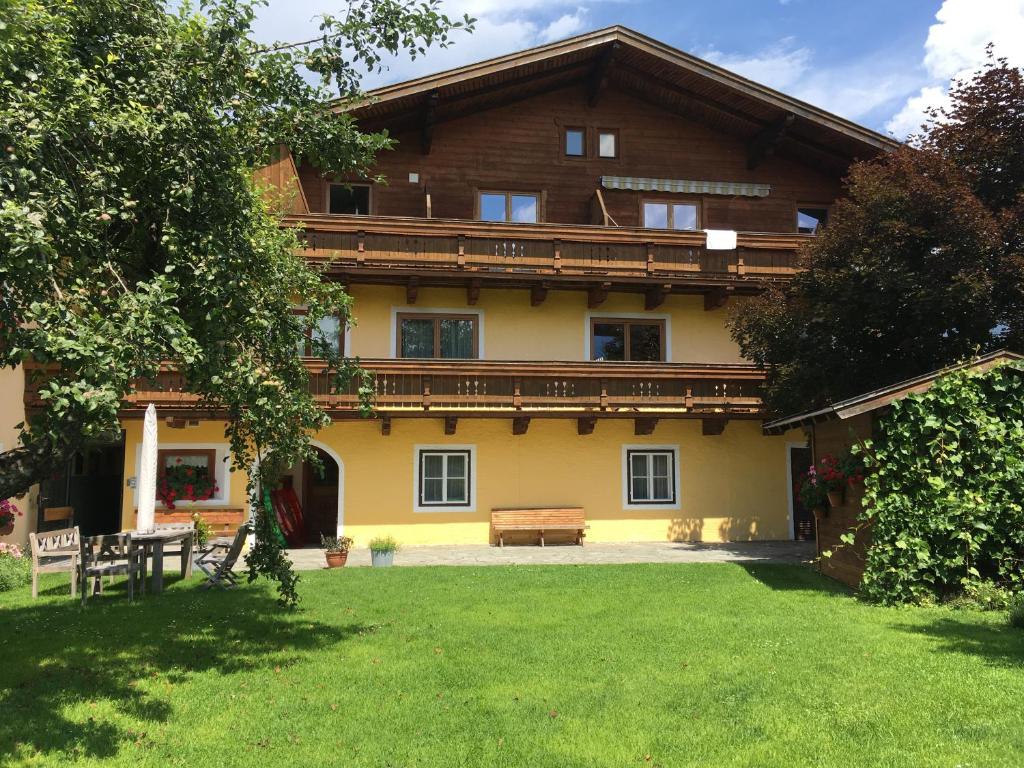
{"points": [[147, 472]]}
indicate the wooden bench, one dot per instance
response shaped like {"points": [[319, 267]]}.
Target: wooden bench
{"points": [[223, 521], [540, 520]]}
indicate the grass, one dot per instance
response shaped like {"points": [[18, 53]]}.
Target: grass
{"points": [[646, 665]]}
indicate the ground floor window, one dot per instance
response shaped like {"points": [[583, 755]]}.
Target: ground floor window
{"points": [[444, 478], [650, 476]]}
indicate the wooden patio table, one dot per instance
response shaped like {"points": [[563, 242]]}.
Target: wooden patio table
{"points": [[154, 542]]}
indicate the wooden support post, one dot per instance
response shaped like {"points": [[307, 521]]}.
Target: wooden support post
{"points": [[360, 247], [538, 292], [517, 395], [426, 393], [429, 119], [597, 294], [644, 426], [556, 259], [520, 424], [585, 425], [604, 394], [473, 291], [385, 425], [711, 427], [655, 297], [450, 423], [412, 289], [716, 298], [462, 251], [649, 247], [741, 265], [688, 399]]}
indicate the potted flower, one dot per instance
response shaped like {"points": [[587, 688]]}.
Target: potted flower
{"points": [[336, 550], [812, 492], [185, 482], [832, 476], [202, 530], [382, 551], [8, 514]]}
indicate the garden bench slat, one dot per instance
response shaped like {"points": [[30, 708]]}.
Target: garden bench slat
{"points": [[539, 519]]}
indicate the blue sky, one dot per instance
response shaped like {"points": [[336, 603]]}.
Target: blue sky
{"points": [[879, 62]]}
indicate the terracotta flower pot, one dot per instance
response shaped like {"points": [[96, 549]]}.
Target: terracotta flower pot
{"points": [[336, 559], [835, 498], [7, 529]]}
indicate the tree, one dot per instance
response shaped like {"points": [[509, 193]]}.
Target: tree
{"points": [[919, 266], [132, 235]]}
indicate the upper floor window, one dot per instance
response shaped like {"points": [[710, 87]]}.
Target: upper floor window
{"points": [[810, 219], [519, 207], [438, 336], [349, 198], [659, 214], [328, 330], [607, 143], [620, 340], [575, 142]]}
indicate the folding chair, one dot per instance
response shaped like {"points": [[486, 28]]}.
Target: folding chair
{"points": [[219, 558]]}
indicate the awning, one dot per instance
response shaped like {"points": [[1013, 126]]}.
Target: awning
{"points": [[732, 188]]}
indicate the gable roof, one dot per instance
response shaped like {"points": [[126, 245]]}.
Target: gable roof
{"points": [[879, 398], [641, 66]]}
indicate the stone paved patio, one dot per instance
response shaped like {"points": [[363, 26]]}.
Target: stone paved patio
{"points": [[590, 554]]}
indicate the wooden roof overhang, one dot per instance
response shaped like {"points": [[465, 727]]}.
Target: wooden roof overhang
{"points": [[769, 121], [879, 399], [464, 253]]}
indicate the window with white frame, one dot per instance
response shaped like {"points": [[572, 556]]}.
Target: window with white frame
{"points": [[651, 476], [444, 477]]}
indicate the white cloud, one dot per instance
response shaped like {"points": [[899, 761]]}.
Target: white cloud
{"points": [[956, 47], [503, 26], [852, 89]]}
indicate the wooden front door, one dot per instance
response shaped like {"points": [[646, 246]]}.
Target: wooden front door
{"points": [[803, 519]]}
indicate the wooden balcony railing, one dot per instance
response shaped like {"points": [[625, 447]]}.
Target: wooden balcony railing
{"points": [[477, 387], [541, 249]]}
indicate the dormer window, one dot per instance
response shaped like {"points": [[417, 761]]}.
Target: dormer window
{"points": [[352, 199], [575, 142], [810, 219]]}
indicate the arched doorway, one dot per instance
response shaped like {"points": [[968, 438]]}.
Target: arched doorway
{"points": [[320, 494]]}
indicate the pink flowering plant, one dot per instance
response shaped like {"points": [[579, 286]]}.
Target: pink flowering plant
{"points": [[15, 568], [8, 512], [829, 475], [186, 482]]}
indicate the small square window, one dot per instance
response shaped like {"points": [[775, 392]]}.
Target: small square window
{"points": [[444, 478], [608, 144], [651, 476], [575, 142], [809, 221], [352, 199]]}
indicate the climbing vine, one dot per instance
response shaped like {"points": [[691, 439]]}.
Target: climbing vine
{"points": [[944, 496]]}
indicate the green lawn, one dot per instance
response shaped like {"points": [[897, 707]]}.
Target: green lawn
{"points": [[659, 665]]}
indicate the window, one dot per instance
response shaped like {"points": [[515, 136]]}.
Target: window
{"points": [[608, 143], [186, 474], [438, 336], [575, 142], [328, 330], [517, 207], [667, 215], [636, 340], [349, 198], [444, 477], [650, 476], [810, 220]]}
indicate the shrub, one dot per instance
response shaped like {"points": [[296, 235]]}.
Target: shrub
{"points": [[1016, 615], [983, 596], [942, 496], [15, 568], [334, 544]]}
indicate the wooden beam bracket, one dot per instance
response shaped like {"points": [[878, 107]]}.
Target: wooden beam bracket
{"points": [[599, 77], [473, 291], [763, 144], [538, 292], [385, 425], [520, 424], [715, 426], [429, 119], [644, 426], [655, 297], [585, 425], [412, 289], [717, 298], [450, 424], [597, 294]]}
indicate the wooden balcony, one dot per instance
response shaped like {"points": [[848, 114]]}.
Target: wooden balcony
{"points": [[499, 389], [450, 251]]}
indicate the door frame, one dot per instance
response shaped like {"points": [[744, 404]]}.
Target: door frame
{"points": [[341, 483], [790, 508]]}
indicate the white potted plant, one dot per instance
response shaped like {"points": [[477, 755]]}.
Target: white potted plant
{"points": [[382, 551]]}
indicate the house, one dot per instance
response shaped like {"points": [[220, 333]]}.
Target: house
{"points": [[541, 289], [834, 430]]}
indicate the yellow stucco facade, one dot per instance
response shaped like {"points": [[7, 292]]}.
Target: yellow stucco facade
{"points": [[12, 413], [732, 486]]}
